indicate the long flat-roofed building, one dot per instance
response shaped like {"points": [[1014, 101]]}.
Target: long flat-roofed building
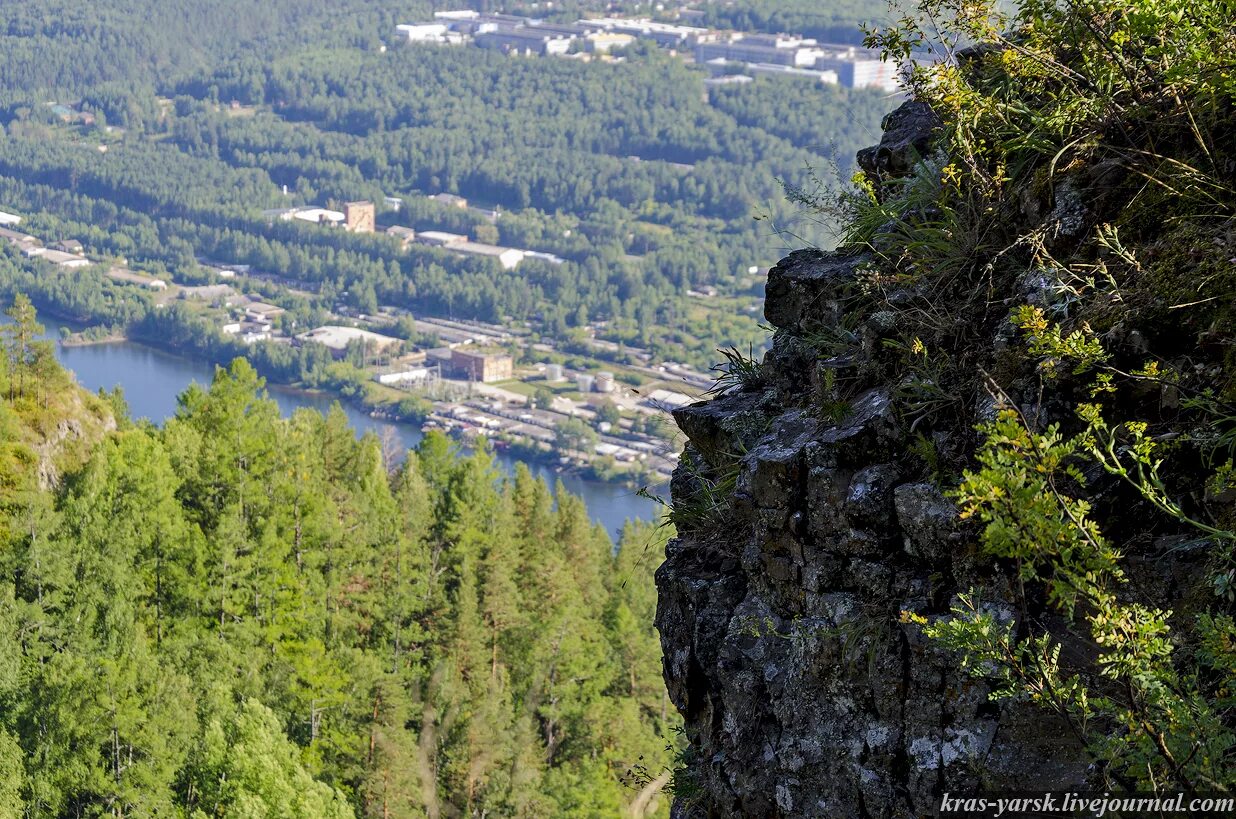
{"points": [[439, 238], [508, 257], [525, 40], [741, 51], [18, 239], [482, 365], [421, 32], [667, 35], [336, 338], [58, 257]]}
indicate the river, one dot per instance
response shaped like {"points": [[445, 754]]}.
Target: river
{"points": [[152, 379]]}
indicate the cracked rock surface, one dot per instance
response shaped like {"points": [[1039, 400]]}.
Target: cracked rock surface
{"points": [[803, 693]]}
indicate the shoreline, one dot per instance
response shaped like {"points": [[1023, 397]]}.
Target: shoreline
{"points": [[77, 340], [546, 459]]}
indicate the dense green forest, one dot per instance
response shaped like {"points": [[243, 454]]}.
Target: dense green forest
{"points": [[838, 21], [643, 179], [245, 615]]}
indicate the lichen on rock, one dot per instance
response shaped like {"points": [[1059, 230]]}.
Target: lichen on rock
{"points": [[796, 653]]}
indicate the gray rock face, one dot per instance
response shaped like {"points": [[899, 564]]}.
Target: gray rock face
{"points": [[906, 140], [803, 692]]}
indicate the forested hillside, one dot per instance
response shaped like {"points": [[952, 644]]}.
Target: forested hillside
{"points": [[245, 615], [185, 124]]}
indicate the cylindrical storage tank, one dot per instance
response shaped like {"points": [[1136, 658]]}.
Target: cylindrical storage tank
{"points": [[553, 372], [584, 382], [605, 381]]}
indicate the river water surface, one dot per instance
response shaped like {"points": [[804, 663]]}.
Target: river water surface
{"points": [[151, 380]]}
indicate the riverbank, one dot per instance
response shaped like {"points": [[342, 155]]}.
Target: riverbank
{"points": [[568, 437], [152, 379], [81, 340]]}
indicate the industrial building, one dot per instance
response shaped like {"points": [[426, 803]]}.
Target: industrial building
{"points": [[263, 313], [126, 276], [9, 219], [438, 238], [68, 246], [404, 376], [525, 40], [21, 240], [828, 77], [247, 331], [406, 235], [859, 70], [359, 217], [508, 257], [602, 42], [744, 51], [421, 32], [57, 257], [665, 35], [317, 216], [337, 338], [482, 365]]}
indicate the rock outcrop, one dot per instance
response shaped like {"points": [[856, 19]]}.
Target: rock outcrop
{"points": [[803, 537]]}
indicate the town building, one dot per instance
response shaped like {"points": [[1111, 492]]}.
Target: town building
{"points": [[248, 332], [525, 40], [603, 42], [125, 276], [560, 30], [359, 217], [508, 257], [665, 35], [337, 338], [319, 216], [439, 238], [481, 365], [57, 257], [68, 246], [744, 51], [403, 376], [544, 257], [456, 16], [22, 241], [860, 68], [406, 235], [263, 313], [421, 32], [829, 77]]}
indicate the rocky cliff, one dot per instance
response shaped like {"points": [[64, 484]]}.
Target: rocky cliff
{"points": [[803, 693], [813, 510]]}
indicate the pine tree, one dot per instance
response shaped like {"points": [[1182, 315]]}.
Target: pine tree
{"points": [[19, 341]]}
